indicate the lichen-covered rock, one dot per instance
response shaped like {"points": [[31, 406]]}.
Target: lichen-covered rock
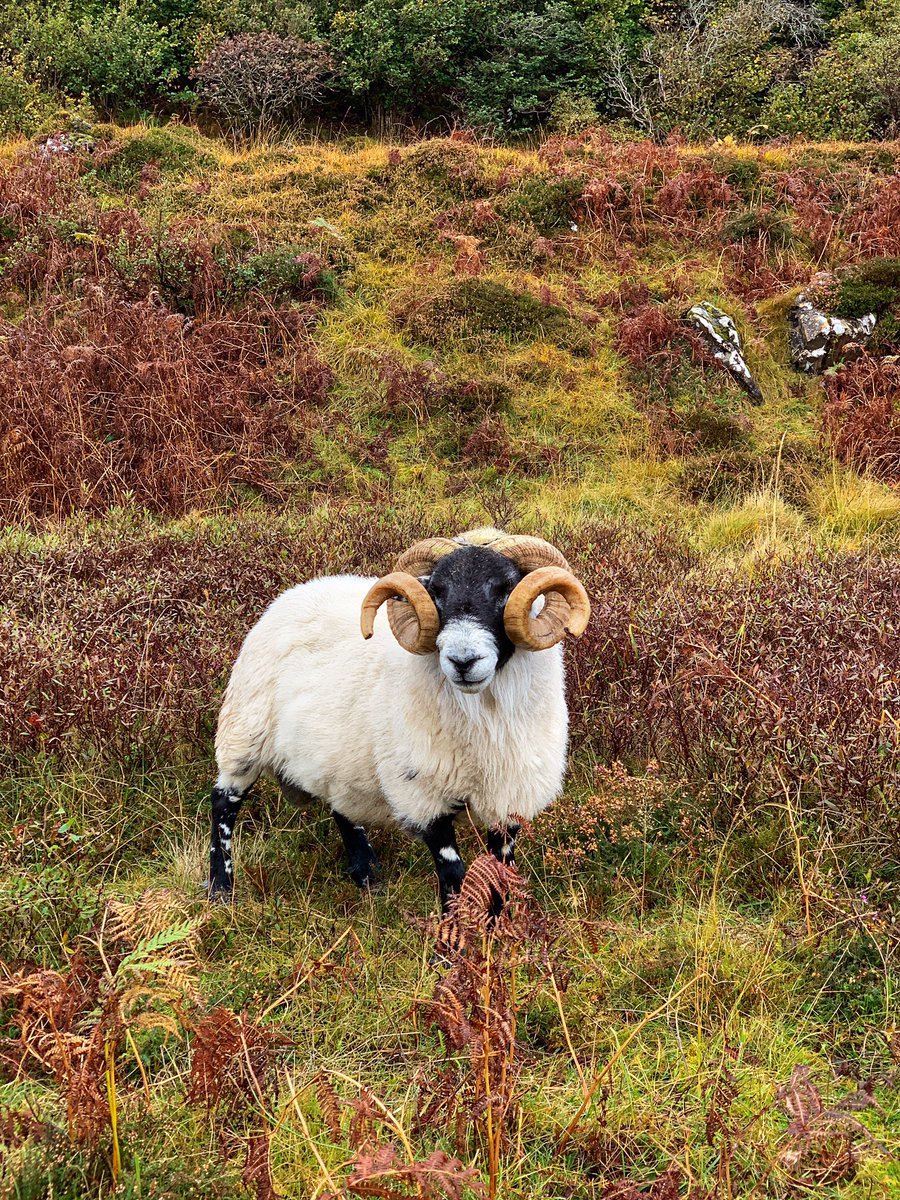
{"points": [[66, 143], [720, 334], [817, 341]]}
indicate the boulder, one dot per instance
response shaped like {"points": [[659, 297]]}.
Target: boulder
{"points": [[720, 335], [817, 341], [74, 142]]}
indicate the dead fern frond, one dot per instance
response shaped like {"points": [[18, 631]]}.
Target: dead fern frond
{"points": [[382, 1172], [329, 1105]]}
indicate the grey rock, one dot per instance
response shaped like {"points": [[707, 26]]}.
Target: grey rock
{"points": [[720, 334], [817, 341], [66, 143]]}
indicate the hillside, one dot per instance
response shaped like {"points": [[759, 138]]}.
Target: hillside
{"points": [[223, 370]]}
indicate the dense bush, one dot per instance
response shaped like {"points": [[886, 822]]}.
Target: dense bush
{"points": [[701, 66], [114, 55], [254, 80], [478, 309], [24, 108]]}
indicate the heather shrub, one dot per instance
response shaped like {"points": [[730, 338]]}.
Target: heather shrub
{"points": [[253, 80], [131, 667], [758, 683], [451, 169], [111, 401], [171, 150], [549, 203], [765, 226], [295, 272]]}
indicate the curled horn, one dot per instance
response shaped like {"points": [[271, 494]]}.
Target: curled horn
{"points": [[413, 618], [566, 605], [412, 615]]}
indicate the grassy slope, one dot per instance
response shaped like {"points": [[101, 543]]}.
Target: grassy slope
{"points": [[743, 987]]}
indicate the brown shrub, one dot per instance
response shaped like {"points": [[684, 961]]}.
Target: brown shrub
{"points": [[116, 401], [124, 645], [256, 78], [861, 415]]}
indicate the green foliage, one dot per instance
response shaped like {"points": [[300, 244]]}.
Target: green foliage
{"points": [[536, 54], [872, 287], [23, 106], [758, 224], [852, 89], [172, 150], [571, 113], [452, 170], [407, 54], [114, 56], [548, 202], [289, 271]]}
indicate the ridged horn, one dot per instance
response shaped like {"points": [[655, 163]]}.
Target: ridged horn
{"points": [[420, 558], [529, 553], [413, 618], [566, 607]]}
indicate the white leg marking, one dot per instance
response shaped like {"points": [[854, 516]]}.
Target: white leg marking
{"points": [[448, 854]]}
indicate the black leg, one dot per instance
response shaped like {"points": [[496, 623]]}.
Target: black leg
{"points": [[363, 862], [226, 804], [440, 838], [502, 842]]}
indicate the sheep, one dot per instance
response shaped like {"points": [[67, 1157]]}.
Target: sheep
{"points": [[455, 700]]}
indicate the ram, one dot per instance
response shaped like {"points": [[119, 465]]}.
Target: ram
{"points": [[451, 695]]}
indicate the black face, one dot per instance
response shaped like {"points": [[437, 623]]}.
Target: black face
{"points": [[470, 588]]}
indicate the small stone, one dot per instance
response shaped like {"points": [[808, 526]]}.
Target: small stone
{"points": [[720, 334]]}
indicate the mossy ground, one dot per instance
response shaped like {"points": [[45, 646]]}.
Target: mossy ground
{"points": [[480, 381]]}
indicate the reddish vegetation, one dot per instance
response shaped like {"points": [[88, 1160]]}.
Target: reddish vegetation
{"points": [[861, 415], [109, 400], [786, 677], [714, 676]]}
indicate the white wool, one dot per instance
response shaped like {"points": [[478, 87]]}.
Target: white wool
{"points": [[378, 733]]}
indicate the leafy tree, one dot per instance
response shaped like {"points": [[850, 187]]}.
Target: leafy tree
{"points": [[536, 54]]}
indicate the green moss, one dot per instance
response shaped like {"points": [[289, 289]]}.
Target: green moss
{"points": [[759, 223], [873, 287], [475, 309], [171, 149], [550, 204]]}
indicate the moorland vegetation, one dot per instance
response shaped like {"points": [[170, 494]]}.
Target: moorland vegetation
{"points": [[229, 363]]}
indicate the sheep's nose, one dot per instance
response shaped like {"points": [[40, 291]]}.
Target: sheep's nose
{"points": [[463, 664]]}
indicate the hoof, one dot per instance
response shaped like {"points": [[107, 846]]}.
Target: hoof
{"points": [[369, 881], [219, 893]]}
